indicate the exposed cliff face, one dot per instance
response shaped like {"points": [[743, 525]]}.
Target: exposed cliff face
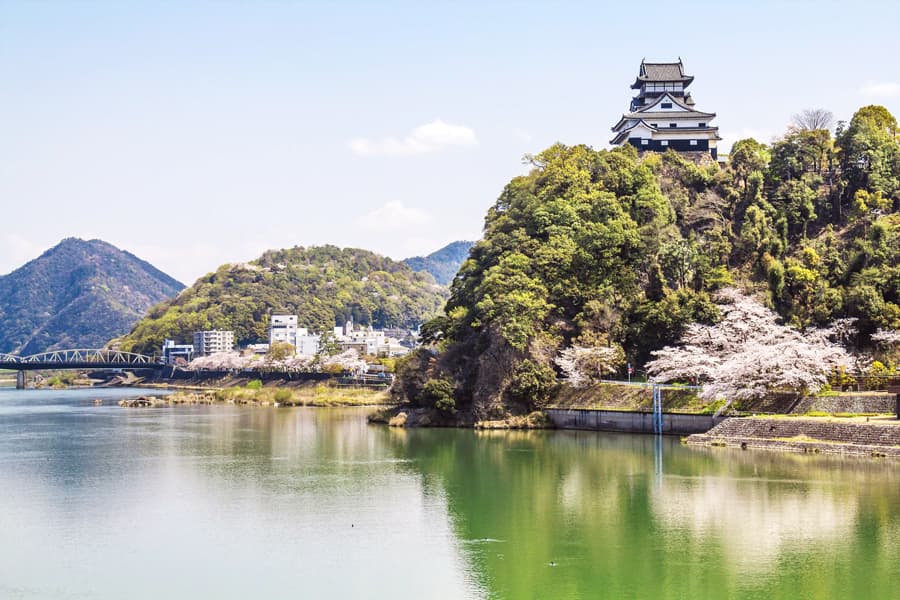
{"points": [[78, 294]]}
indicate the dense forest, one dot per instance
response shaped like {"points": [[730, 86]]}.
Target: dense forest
{"points": [[612, 249], [324, 286]]}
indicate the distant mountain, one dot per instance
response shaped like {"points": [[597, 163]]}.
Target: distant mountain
{"points": [[78, 294], [442, 264], [324, 286]]}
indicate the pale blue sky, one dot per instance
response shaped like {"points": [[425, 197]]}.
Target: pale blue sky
{"points": [[197, 133]]}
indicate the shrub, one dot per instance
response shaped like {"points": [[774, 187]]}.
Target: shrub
{"points": [[256, 384], [532, 383], [283, 395], [439, 394]]}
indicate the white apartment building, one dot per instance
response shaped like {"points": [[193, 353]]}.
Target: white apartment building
{"points": [[210, 342], [284, 329]]}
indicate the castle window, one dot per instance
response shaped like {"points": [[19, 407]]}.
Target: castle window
{"points": [[673, 124], [644, 142], [664, 143], [666, 105], [693, 142], [701, 124]]}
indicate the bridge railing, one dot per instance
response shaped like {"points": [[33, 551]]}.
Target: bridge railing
{"points": [[82, 356]]}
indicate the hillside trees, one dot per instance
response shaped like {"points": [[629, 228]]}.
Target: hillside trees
{"points": [[594, 249], [322, 285], [564, 263]]}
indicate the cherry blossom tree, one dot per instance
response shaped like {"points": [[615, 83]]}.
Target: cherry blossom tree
{"points": [[887, 338], [749, 354], [584, 365], [219, 361], [348, 360]]}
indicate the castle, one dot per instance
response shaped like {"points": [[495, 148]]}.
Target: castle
{"points": [[662, 115]]}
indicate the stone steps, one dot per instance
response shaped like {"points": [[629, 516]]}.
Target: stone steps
{"points": [[818, 429], [804, 435]]}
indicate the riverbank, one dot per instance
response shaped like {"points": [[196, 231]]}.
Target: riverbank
{"points": [[321, 395], [859, 435]]}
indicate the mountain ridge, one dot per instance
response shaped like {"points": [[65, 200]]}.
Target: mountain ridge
{"points": [[444, 263], [78, 293]]}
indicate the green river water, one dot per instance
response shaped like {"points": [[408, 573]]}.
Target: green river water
{"points": [[238, 502]]}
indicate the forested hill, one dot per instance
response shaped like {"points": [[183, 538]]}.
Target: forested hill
{"points": [[606, 248], [323, 285], [442, 264], [77, 294]]}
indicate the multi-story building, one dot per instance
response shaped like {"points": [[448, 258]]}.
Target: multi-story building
{"points": [[284, 329], [172, 352], [663, 116], [211, 342]]}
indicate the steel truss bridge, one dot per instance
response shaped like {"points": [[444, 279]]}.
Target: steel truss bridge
{"points": [[78, 359]]}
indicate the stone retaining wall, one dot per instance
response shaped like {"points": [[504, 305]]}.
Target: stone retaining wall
{"points": [[629, 421], [862, 403], [851, 438]]}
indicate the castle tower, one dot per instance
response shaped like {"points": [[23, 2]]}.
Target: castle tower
{"points": [[662, 114]]}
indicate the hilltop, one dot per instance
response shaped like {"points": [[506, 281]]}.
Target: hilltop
{"points": [[77, 294], [323, 285], [444, 263], [621, 251]]}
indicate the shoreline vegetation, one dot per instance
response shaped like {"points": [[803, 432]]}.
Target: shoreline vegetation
{"points": [[253, 393], [811, 431]]}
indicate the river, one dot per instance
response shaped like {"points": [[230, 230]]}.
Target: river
{"points": [[241, 502]]}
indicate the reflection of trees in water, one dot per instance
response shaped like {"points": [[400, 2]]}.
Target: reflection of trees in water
{"points": [[715, 524]]}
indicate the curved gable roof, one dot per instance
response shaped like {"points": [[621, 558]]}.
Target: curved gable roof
{"points": [[661, 72]]}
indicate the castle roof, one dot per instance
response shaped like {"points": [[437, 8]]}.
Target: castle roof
{"points": [[661, 72], [681, 103]]}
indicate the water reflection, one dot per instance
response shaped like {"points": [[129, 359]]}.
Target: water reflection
{"points": [[238, 501], [579, 512]]}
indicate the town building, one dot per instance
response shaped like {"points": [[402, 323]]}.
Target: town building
{"points": [[368, 341], [308, 344], [172, 352], [211, 342], [284, 329], [662, 115]]}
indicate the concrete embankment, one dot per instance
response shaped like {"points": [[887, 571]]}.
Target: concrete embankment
{"points": [[856, 437], [630, 421]]}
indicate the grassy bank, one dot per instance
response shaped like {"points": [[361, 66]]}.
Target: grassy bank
{"points": [[309, 395], [611, 396]]}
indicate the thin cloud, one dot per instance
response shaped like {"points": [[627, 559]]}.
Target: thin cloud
{"points": [[430, 137], [392, 216], [884, 89]]}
